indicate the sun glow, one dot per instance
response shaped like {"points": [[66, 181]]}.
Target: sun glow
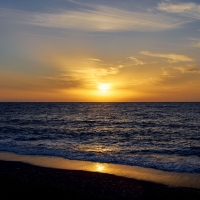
{"points": [[104, 87], [100, 168]]}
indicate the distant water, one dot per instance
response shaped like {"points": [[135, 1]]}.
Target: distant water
{"points": [[163, 136]]}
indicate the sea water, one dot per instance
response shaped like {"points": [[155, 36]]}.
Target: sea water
{"points": [[164, 136]]}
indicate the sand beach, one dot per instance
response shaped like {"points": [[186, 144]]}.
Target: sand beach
{"points": [[22, 180]]}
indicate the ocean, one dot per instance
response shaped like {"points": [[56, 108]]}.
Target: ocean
{"points": [[164, 136]]}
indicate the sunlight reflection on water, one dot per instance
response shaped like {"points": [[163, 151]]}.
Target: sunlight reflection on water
{"points": [[100, 168]]}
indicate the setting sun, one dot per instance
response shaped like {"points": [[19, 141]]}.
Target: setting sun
{"points": [[104, 87], [144, 62]]}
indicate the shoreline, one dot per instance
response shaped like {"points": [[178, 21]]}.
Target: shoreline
{"points": [[172, 179], [23, 180]]}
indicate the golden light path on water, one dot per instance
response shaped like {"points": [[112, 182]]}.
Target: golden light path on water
{"points": [[168, 178]]}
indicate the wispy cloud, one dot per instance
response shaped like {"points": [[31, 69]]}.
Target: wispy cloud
{"points": [[104, 18], [96, 71], [137, 62], [197, 44], [43, 36], [176, 8], [189, 69], [64, 81], [147, 81], [172, 58], [187, 9], [96, 18], [165, 72], [94, 59]]}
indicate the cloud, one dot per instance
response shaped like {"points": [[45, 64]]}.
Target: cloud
{"points": [[137, 62], [191, 10], [195, 42], [94, 59], [64, 81], [147, 81], [165, 72], [189, 69], [96, 18], [96, 71], [176, 8], [104, 18], [172, 58]]}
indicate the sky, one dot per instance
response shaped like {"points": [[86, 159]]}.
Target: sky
{"points": [[99, 50]]}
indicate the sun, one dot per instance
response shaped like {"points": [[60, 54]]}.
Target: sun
{"points": [[104, 87]]}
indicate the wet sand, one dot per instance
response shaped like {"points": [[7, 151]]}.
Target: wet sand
{"points": [[25, 181]]}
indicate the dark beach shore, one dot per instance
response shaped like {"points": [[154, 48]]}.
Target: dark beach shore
{"points": [[25, 181]]}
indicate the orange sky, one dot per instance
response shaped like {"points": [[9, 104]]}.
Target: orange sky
{"points": [[145, 51]]}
